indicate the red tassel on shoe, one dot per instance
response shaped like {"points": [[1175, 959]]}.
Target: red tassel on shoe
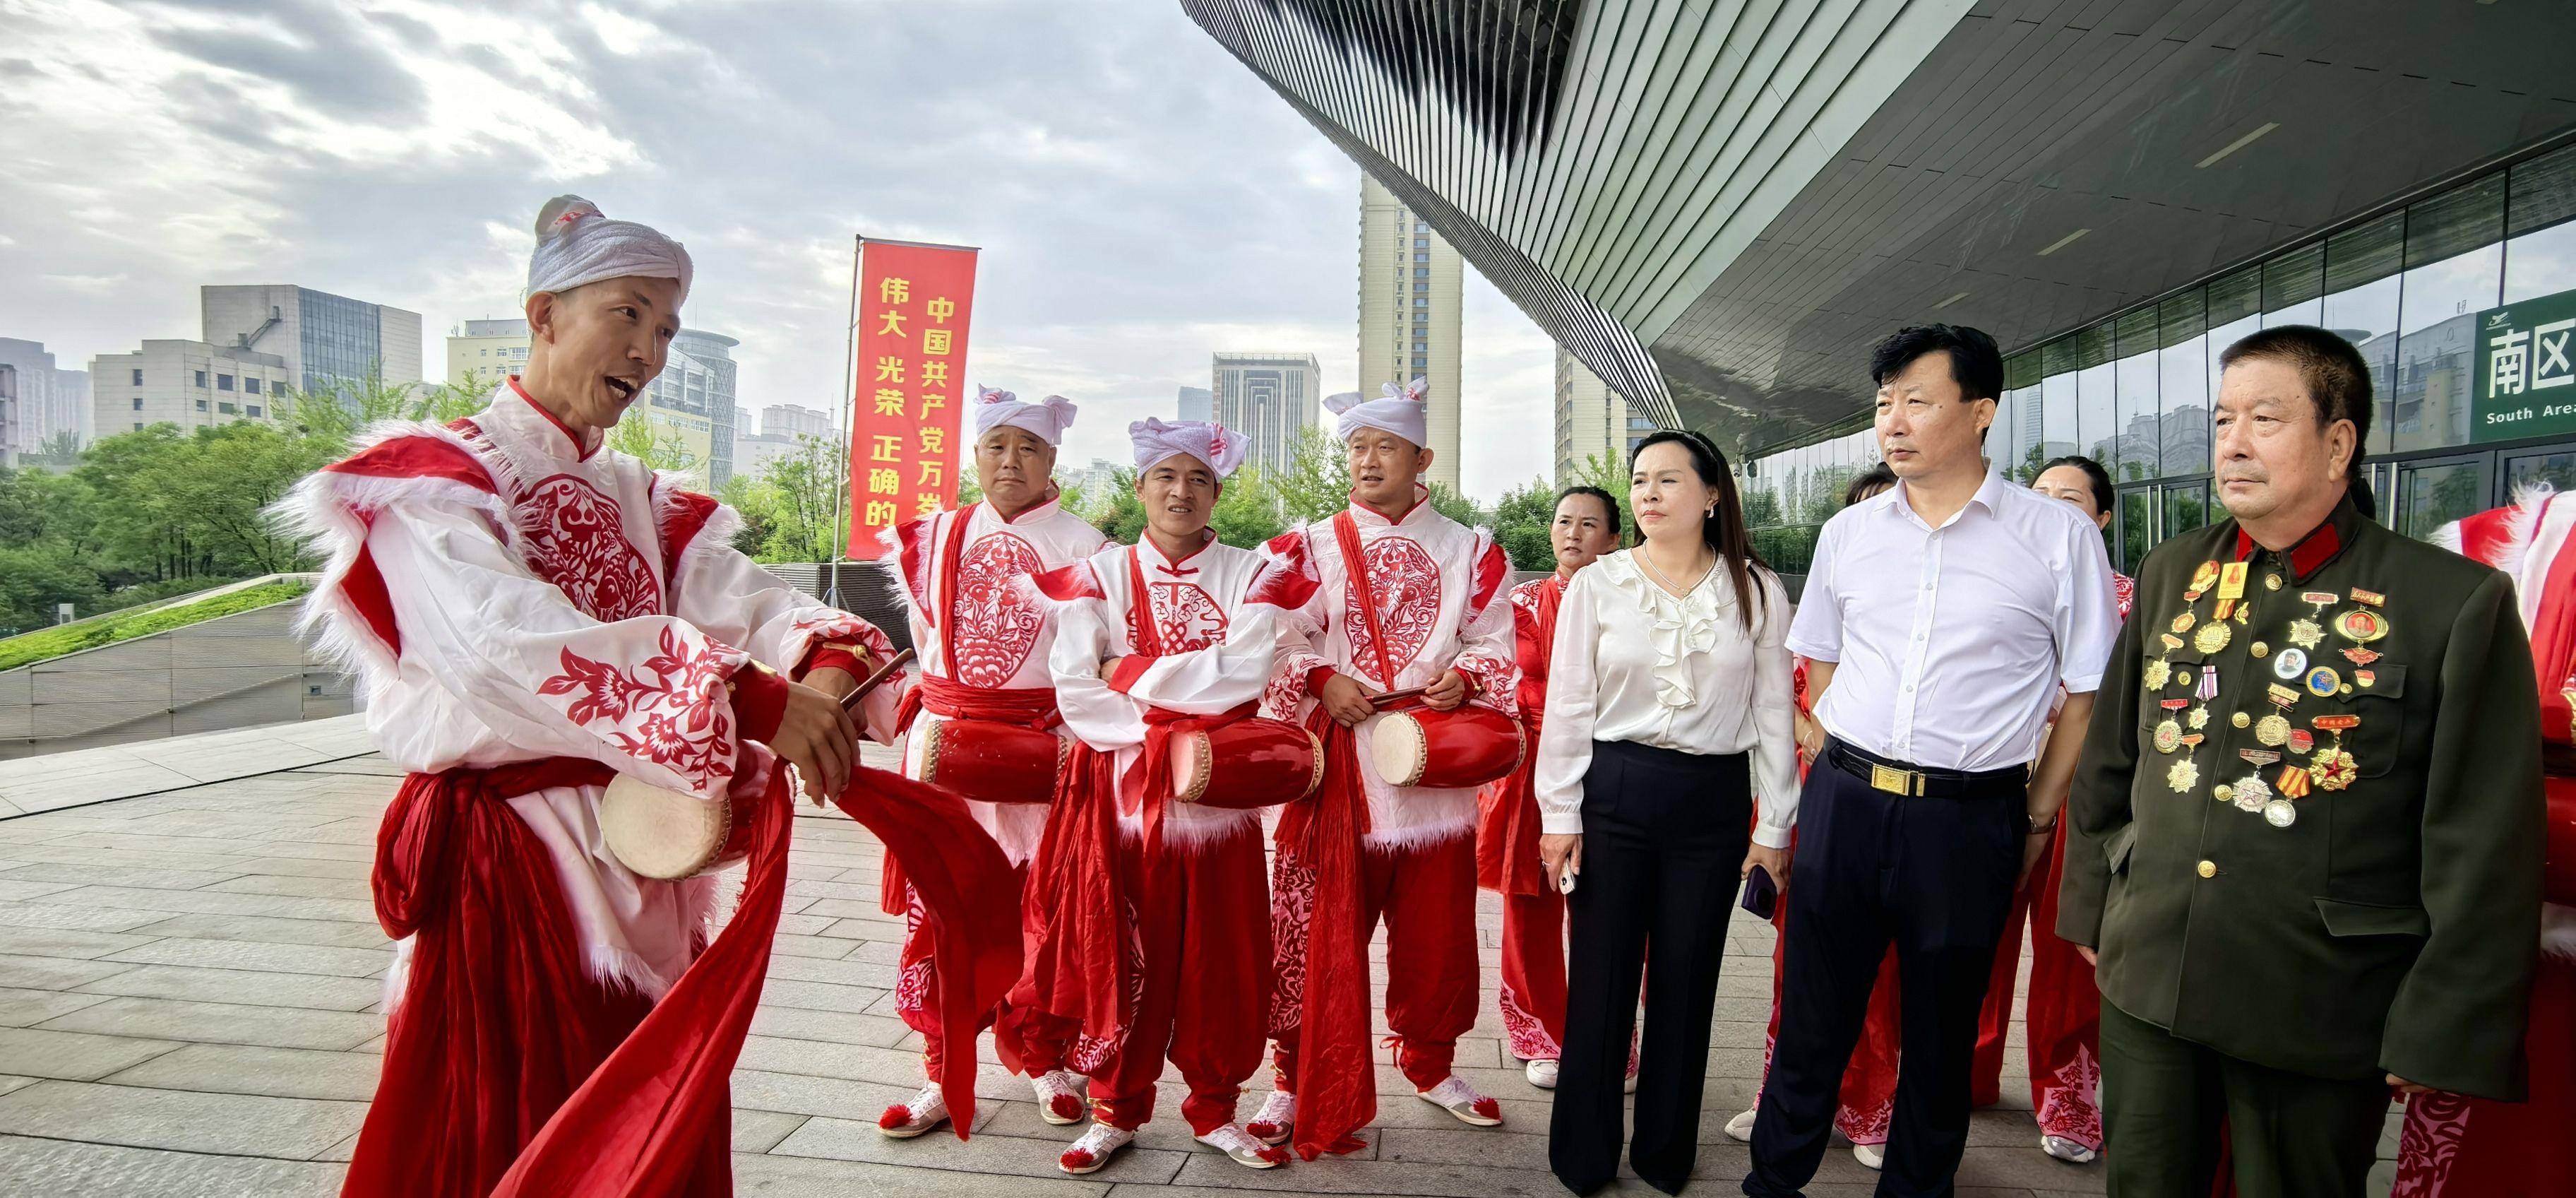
{"points": [[1273, 1154], [1077, 1158], [894, 1117], [1065, 1106], [1487, 1107], [1262, 1130]]}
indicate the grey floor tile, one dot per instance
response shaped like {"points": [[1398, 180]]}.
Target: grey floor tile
{"points": [[179, 1120], [222, 1023], [56, 1167], [74, 1056], [243, 986], [847, 1140], [20, 1008], [250, 1069]]}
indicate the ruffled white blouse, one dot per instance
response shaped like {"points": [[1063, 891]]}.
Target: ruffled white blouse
{"points": [[1632, 662]]}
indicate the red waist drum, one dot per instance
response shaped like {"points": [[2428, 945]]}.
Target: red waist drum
{"points": [[1251, 762], [993, 762], [1442, 750]]}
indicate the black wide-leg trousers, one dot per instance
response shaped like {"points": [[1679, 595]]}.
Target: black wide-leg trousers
{"points": [[1664, 835], [1935, 874]]}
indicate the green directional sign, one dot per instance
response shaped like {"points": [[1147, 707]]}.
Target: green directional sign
{"points": [[2526, 380]]}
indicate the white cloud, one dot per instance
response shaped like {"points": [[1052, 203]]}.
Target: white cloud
{"points": [[1142, 200]]}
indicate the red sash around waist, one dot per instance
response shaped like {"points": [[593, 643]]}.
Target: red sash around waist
{"points": [[1028, 706]]}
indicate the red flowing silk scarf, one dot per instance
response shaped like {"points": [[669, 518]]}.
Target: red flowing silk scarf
{"points": [[1336, 1077], [1507, 859], [637, 1127], [1082, 958]]}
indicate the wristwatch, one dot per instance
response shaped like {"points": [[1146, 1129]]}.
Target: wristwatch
{"points": [[2039, 829]]}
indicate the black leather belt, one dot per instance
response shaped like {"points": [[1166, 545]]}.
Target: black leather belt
{"points": [[1896, 777]]}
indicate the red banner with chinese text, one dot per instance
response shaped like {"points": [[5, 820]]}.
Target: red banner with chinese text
{"points": [[912, 311]]}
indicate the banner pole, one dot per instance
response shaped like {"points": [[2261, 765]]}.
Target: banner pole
{"points": [[845, 419]]}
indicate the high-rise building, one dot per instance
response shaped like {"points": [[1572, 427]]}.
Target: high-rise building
{"points": [[191, 384], [1268, 397], [1591, 420], [8, 414], [1409, 295], [320, 336], [49, 403], [1198, 403], [692, 399], [791, 421]]}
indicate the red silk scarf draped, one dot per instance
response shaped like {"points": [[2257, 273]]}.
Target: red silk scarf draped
{"points": [[458, 868], [1507, 832]]}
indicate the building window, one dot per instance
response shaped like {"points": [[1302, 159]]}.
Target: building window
{"points": [[223, 382], [201, 405], [251, 385], [138, 403], [228, 408], [1421, 302], [138, 426], [253, 409], [138, 376], [201, 378]]}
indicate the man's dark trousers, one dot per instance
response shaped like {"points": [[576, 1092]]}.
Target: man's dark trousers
{"points": [[1936, 875]]}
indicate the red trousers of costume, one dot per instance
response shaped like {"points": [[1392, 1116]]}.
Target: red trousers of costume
{"points": [[1533, 997], [2064, 1016], [1427, 897], [2454, 1146], [916, 998], [1202, 912], [499, 1021]]}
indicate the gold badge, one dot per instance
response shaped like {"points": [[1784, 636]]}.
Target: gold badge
{"points": [[2202, 577], [2306, 634], [2361, 625], [2272, 730], [2211, 638], [2222, 792], [2240, 719], [2258, 649], [2159, 673], [2199, 718], [2183, 776], [2183, 622], [2332, 768], [2168, 736]]}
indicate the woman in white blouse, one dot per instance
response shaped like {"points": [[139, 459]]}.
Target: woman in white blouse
{"points": [[1668, 709]]}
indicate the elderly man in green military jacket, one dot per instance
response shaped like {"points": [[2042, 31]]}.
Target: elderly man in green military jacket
{"points": [[2306, 832]]}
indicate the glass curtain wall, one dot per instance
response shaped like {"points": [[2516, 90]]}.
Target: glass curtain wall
{"points": [[2134, 390]]}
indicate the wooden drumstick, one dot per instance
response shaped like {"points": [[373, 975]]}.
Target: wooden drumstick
{"points": [[1384, 699], [883, 672]]}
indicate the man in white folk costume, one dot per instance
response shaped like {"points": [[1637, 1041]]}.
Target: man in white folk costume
{"points": [[533, 613], [983, 638], [1170, 637], [1397, 597]]}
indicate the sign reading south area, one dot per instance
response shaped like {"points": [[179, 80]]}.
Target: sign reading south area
{"points": [[2526, 380]]}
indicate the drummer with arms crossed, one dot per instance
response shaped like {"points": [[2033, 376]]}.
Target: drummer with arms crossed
{"points": [[1400, 597], [983, 637], [1160, 649]]}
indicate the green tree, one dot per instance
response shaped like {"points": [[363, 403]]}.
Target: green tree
{"points": [[638, 437], [1247, 511], [1611, 475], [800, 494], [1121, 515], [1521, 525], [1317, 482]]}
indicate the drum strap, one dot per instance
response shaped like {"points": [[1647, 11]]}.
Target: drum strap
{"points": [[1355, 567]]}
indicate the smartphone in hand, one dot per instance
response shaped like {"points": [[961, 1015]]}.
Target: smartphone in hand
{"points": [[1761, 894]]}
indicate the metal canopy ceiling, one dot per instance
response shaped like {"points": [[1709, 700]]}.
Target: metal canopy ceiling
{"points": [[1725, 203]]}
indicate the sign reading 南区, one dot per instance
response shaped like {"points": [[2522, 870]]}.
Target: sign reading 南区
{"points": [[2526, 380], [911, 318]]}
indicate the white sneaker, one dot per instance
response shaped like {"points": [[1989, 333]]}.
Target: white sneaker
{"points": [[1541, 1073], [1245, 1150], [1276, 1120], [1741, 1126], [908, 1120], [1870, 1156], [1091, 1153], [2067, 1150], [1455, 1096], [1059, 1097]]}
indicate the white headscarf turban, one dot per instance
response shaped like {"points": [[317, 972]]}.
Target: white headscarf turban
{"points": [[577, 245], [1048, 417], [1221, 448], [1400, 411]]}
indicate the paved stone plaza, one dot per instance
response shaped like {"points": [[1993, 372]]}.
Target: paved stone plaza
{"points": [[190, 988]]}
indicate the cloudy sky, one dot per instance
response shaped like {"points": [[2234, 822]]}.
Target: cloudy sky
{"points": [[1140, 198]]}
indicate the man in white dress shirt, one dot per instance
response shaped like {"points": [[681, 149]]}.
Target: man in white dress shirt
{"points": [[1941, 618]]}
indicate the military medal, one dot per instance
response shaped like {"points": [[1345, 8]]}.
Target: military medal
{"points": [[2183, 622], [2212, 636], [2171, 641], [2168, 736], [2201, 580], [2294, 782], [2183, 776], [2159, 674], [2251, 794], [2259, 757], [2373, 598], [2301, 740], [2361, 625], [2272, 729], [2306, 634], [2192, 740], [2208, 688], [2320, 600], [2332, 768], [2280, 813], [2290, 664], [2199, 718], [2358, 656]]}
